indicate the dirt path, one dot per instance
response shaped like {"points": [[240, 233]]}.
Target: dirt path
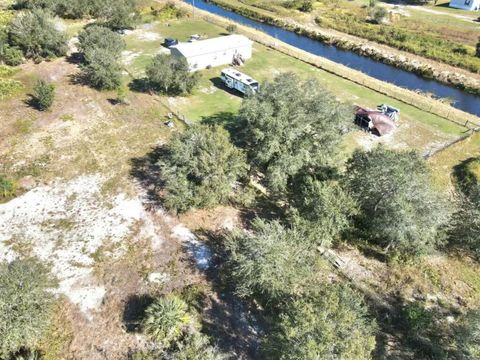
{"points": [[432, 11]]}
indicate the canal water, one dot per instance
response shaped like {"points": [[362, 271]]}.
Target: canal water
{"points": [[467, 102]]}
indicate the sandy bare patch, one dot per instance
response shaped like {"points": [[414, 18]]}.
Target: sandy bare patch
{"points": [[66, 224], [129, 56]]}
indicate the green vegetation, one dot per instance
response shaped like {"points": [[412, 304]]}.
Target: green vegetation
{"points": [[465, 225], [7, 188], [34, 32], [291, 126], [331, 323], [101, 49], [170, 75], [116, 14], [201, 168], [272, 263], [95, 36], [323, 208], [43, 95], [25, 305], [167, 320], [468, 335], [196, 347], [176, 332], [398, 208]]}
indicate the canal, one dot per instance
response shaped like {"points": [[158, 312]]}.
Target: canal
{"points": [[462, 100]]}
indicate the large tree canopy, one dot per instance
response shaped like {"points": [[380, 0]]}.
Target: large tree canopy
{"points": [[323, 208], [292, 125], [398, 207], [329, 324], [25, 305], [201, 168], [271, 263]]}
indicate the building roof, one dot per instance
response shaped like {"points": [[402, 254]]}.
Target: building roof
{"points": [[379, 121], [237, 75], [213, 45]]}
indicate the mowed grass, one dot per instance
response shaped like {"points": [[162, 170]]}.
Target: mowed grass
{"points": [[418, 129], [443, 162]]}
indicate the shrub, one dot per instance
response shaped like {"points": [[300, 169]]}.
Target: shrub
{"points": [[306, 6], [378, 14], [25, 305], [416, 318], [170, 75], [117, 14], [7, 188], [98, 37], [11, 56], [196, 347], [43, 95], [201, 168], [167, 320], [101, 48], [477, 50], [231, 28], [35, 33], [468, 335], [102, 71]]}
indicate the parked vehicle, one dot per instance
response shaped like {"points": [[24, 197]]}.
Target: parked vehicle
{"points": [[392, 112], [241, 82], [169, 42]]}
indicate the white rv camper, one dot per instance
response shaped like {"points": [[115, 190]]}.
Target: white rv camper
{"points": [[234, 79]]}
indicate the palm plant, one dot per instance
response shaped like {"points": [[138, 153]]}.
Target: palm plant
{"points": [[167, 319]]}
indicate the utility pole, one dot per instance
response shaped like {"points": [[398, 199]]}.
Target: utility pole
{"points": [[193, 9]]}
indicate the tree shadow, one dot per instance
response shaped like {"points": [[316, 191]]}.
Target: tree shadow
{"points": [[32, 101], [237, 323], [134, 311], [141, 85], [76, 58], [230, 122], [218, 83], [146, 171], [465, 180]]}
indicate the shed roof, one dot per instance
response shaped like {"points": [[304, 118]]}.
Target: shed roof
{"points": [[379, 121], [213, 45]]}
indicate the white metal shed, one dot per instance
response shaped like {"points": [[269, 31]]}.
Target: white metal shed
{"points": [[214, 52], [465, 4]]}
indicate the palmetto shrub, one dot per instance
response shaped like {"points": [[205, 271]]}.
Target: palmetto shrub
{"points": [[167, 320]]}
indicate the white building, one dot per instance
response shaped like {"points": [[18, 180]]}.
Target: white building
{"points": [[465, 4], [214, 52]]}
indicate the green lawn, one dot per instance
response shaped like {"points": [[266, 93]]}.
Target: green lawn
{"points": [[418, 129]]}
